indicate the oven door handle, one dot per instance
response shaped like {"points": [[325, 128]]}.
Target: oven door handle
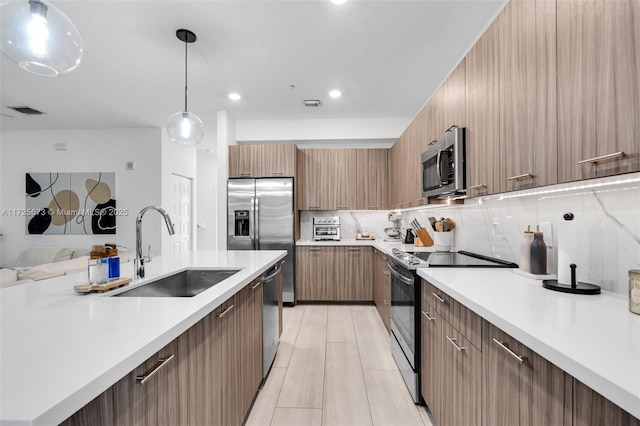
{"points": [[395, 273]]}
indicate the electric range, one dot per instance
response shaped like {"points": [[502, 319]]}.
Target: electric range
{"points": [[405, 303]]}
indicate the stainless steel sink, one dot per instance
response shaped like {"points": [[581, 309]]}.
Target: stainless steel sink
{"points": [[183, 284]]}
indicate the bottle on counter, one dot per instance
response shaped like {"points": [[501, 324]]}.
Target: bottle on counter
{"points": [[538, 254], [525, 250]]}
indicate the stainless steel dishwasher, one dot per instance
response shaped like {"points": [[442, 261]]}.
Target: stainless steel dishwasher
{"points": [[270, 318]]}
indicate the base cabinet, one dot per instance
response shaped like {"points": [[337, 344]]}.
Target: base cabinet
{"points": [[519, 386], [334, 273], [431, 361], [382, 287], [591, 409], [208, 375]]}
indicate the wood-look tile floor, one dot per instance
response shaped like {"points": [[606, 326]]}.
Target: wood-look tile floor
{"points": [[334, 368]]}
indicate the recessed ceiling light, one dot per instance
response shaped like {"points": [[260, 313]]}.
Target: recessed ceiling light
{"points": [[338, 1], [335, 93], [235, 96]]}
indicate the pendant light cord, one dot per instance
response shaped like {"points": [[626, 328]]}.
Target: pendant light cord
{"points": [[186, 45]]}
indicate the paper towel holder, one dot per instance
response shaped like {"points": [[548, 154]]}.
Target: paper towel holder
{"points": [[575, 287]]}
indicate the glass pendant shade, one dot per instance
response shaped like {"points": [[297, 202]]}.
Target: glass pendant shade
{"points": [[185, 128], [39, 38]]}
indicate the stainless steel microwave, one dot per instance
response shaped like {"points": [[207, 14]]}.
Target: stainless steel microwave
{"points": [[443, 166]]}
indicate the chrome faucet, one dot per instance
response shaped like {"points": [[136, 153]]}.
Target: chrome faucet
{"points": [[138, 264]]}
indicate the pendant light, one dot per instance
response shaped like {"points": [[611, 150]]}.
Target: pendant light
{"points": [[184, 127], [39, 37]]}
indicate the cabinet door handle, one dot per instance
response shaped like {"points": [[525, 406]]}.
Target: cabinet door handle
{"points": [[523, 176], [145, 377], [603, 157], [372, 207], [427, 315], [433, 141], [453, 126], [509, 351], [314, 208], [386, 272], [276, 173], [477, 186], [453, 342], [386, 302], [223, 313], [314, 249], [353, 249], [253, 287], [439, 298], [245, 174], [343, 208]]}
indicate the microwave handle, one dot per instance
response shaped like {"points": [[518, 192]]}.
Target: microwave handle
{"points": [[438, 166]]}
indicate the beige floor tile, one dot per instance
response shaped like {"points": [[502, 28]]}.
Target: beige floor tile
{"points": [[389, 399], [291, 321], [345, 395], [356, 308], [304, 381], [265, 403], [340, 324], [297, 417], [375, 352]]}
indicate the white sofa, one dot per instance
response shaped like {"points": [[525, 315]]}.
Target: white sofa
{"points": [[39, 263]]}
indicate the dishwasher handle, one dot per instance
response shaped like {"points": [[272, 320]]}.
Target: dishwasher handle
{"points": [[269, 276]]}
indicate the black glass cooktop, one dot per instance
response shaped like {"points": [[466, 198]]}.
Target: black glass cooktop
{"points": [[461, 259]]}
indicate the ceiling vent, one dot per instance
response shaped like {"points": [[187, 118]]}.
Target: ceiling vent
{"points": [[27, 110], [312, 103]]}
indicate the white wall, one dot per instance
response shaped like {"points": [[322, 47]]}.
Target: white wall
{"points": [[206, 195], [89, 151], [226, 137], [321, 129], [178, 160]]}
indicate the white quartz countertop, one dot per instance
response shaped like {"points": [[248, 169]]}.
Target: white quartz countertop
{"points": [[596, 339], [59, 349]]}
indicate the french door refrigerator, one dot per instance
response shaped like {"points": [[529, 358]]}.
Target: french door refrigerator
{"points": [[261, 217]]}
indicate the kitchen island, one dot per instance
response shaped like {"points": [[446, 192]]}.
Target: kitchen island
{"points": [[61, 349]]}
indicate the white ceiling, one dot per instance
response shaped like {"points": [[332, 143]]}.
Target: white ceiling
{"points": [[387, 57]]}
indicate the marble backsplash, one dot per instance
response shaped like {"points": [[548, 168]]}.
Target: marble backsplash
{"points": [[607, 210]]}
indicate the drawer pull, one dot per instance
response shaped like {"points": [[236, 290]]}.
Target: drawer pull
{"points": [[439, 298], [276, 173], [372, 207], [453, 342], [343, 208], [353, 249], [314, 208], [427, 315], [386, 272], [509, 351], [386, 302], [314, 248], [524, 176], [223, 313], [477, 186], [433, 141], [253, 287], [145, 377], [603, 157]]}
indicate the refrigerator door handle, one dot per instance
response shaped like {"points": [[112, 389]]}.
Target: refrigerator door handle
{"points": [[252, 222], [257, 223]]}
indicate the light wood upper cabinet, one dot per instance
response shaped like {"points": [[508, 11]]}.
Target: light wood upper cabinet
{"points": [[526, 32], [519, 386], [275, 160], [339, 184], [310, 171], [482, 137], [598, 87], [372, 179]]}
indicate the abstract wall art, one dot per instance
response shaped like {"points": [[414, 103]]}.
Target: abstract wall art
{"points": [[70, 203]]}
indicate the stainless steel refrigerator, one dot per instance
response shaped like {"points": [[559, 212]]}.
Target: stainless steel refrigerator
{"points": [[261, 217]]}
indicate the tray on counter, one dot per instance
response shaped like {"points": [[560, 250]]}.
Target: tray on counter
{"points": [[102, 288]]}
